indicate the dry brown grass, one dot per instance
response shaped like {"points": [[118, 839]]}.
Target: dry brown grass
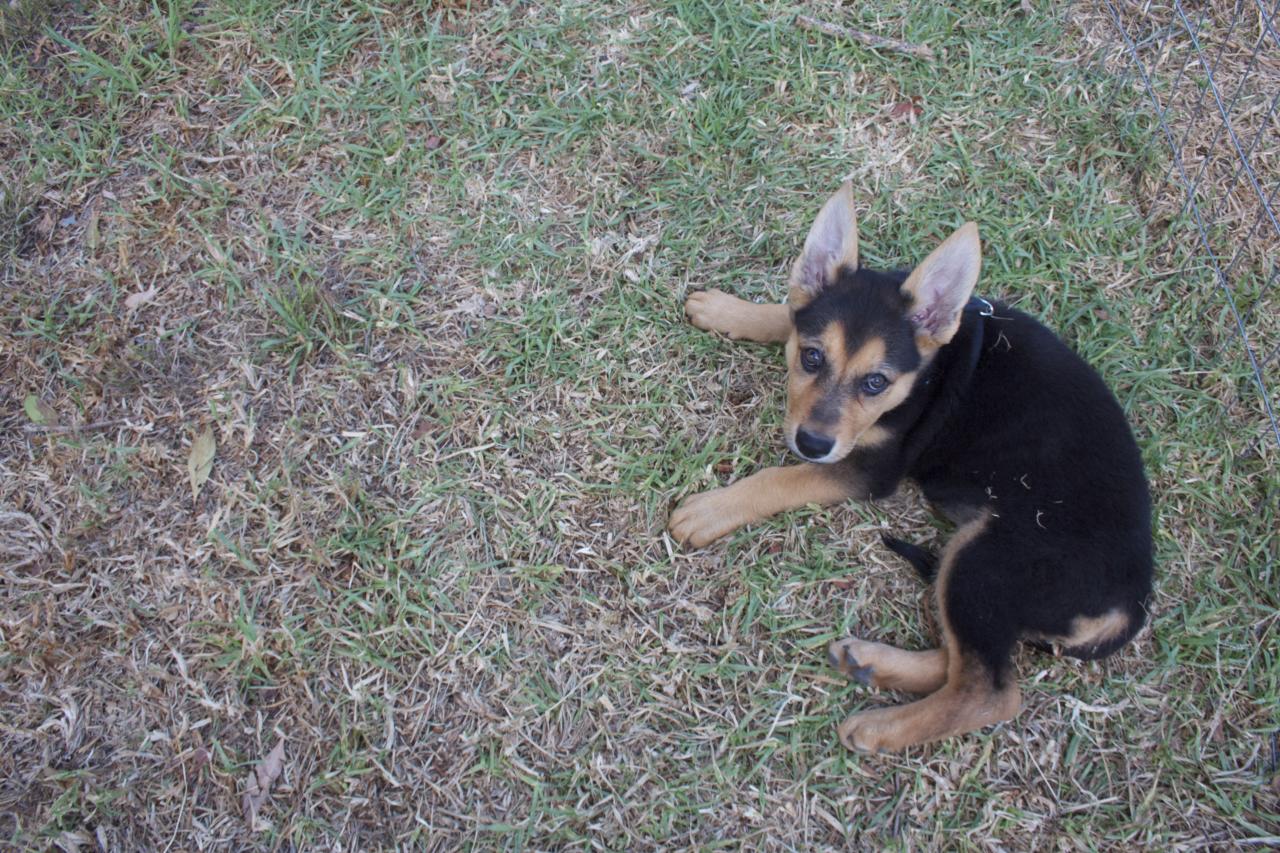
{"points": [[1215, 70], [453, 398]]}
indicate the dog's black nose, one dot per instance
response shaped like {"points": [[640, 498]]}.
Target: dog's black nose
{"points": [[812, 446]]}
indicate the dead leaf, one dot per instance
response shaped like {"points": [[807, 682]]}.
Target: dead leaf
{"points": [[39, 411], [700, 612], [259, 783], [907, 109], [474, 306], [142, 297], [91, 235], [72, 842], [200, 462], [45, 226]]}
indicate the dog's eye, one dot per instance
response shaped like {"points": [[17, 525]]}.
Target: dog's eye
{"points": [[811, 359], [874, 384]]}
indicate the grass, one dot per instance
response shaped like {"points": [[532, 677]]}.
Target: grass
{"points": [[421, 270]]}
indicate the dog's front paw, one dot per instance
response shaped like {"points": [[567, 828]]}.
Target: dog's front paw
{"points": [[707, 309], [717, 311], [703, 518]]}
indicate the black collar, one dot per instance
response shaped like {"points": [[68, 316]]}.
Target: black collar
{"points": [[950, 375], [982, 306]]}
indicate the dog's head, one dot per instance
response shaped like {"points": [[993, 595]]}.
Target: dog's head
{"points": [[861, 338]]}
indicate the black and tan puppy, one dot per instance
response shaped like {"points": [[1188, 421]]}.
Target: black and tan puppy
{"points": [[1004, 428]]}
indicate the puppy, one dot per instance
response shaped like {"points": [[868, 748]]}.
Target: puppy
{"points": [[1008, 432]]}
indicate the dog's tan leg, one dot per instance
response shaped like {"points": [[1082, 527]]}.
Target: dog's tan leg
{"points": [[888, 668], [972, 697], [968, 701], [717, 311], [705, 517]]}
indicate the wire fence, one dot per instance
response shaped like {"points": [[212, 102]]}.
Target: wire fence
{"points": [[1212, 73]]}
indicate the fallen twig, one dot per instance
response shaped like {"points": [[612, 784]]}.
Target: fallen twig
{"points": [[61, 428], [919, 51]]}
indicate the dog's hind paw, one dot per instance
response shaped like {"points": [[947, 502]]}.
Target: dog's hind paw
{"points": [[886, 668], [842, 655]]}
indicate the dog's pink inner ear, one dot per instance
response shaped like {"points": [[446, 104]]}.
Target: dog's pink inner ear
{"points": [[942, 284], [940, 296], [831, 244]]}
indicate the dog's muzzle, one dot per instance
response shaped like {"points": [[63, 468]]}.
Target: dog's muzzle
{"points": [[811, 445]]}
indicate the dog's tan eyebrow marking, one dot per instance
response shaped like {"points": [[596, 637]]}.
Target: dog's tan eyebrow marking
{"points": [[868, 358], [832, 343]]}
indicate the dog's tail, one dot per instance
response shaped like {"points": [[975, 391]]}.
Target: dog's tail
{"points": [[925, 562]]}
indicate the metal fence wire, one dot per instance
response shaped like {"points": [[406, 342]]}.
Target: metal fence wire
{"points": [[1212, 73]]}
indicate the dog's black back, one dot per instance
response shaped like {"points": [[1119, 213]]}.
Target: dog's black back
{"points": [[1060, 474], [1008, 422]]}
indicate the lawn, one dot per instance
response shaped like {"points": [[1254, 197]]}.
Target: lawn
{"points": [[417, 270]]}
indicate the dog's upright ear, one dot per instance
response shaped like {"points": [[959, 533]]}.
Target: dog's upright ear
{"points": [[832, 243], [941, 285]]}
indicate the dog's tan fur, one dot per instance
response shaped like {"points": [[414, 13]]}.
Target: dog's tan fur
{"points": [[891, 668], [1087, 631], [966, 702], [705, 517], [961, 700], [717, 311], [856, 425]]}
